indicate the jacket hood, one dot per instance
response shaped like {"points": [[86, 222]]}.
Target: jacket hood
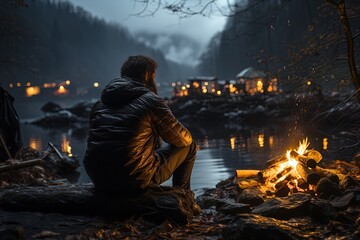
{"points": [[122, 90]]}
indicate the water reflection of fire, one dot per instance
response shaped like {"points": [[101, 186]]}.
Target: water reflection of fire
{"points": [[35, 143], [65, 146]]}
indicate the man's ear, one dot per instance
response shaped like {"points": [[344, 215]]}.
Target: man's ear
{"points": [[146, 76]]}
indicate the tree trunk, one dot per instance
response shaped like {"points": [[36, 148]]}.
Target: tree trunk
{"points": [[341, 8]]}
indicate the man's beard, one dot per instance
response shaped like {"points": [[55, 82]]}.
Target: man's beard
{"points": [[150, 84]]}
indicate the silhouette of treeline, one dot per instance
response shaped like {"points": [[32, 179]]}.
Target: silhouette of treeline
{"points": [[296, 40], [54, 40]]}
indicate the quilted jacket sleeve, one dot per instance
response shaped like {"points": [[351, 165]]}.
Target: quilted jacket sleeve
{"points": [[168, 127]]}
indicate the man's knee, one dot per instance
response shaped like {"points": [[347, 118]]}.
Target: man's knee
{"points": [[192, 150]]}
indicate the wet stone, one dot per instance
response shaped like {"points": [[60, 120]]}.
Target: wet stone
{"points": [[321, 210], [250, 196], [295, 205], [248, 226], [206, 201], [349, 216], [348, 182], [234, 208], [343, 202], [326, 188]]}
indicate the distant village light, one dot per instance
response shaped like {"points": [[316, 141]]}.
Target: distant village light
{"points": [[260, 86], [173, 84], [206, 83], [11, 85], [204, 90], [183, 88], [28, 84], [96, 84], [218, 92], [61, 91], [196, 84], [32, 91], [187, 85], [67, 82], [18, 84], [49, 85], [308, 83]]}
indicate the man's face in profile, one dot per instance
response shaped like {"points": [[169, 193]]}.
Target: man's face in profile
{"points": [[150, 81]]}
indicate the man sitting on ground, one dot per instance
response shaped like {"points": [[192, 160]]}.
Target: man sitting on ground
{"points": [[124, 152]]}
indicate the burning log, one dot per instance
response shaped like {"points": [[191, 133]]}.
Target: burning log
{"points": [[301, 183], [309, 162], [246, 173], [276, 160], [281, 174], [308, 175], [314, 155], [324, 173]]}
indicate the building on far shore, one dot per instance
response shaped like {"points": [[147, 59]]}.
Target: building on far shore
{"points": [[254, 81], [248, 82]]}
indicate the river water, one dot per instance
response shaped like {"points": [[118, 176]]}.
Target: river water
{"points": [[221, 149]]}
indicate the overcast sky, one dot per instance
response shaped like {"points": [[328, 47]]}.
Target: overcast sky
{"points": [[198, 27]]}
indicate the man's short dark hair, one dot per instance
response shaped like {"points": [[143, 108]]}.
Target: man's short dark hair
{"points": [[136, 67]]}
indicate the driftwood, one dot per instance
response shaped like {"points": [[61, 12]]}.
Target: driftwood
{"points": [[246, 173], [156, 204], [18, 165], [56, 150]]}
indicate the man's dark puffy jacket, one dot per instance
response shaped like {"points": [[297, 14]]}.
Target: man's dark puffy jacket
{"points": [[125, 126]]}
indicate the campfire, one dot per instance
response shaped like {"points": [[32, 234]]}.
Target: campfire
{"points": [[296, 171]]}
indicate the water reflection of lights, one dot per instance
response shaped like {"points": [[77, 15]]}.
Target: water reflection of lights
{"points": [[65, 145], [232, 143], [261, 140], [206, 142], [35, 143], [325, 143], [271, 142]]}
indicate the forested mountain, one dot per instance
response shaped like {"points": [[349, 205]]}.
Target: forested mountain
{"points": [[53, 40], [294, 40]]}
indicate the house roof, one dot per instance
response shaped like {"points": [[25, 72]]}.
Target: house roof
{"points": [[251, 73], [202, 78]]}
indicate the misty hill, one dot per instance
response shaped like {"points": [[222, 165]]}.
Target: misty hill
{"points": [[176, 47], [50, 41], [296, 41]]}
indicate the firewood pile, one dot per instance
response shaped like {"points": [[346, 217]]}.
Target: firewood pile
{"points": [[301, 171]]}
